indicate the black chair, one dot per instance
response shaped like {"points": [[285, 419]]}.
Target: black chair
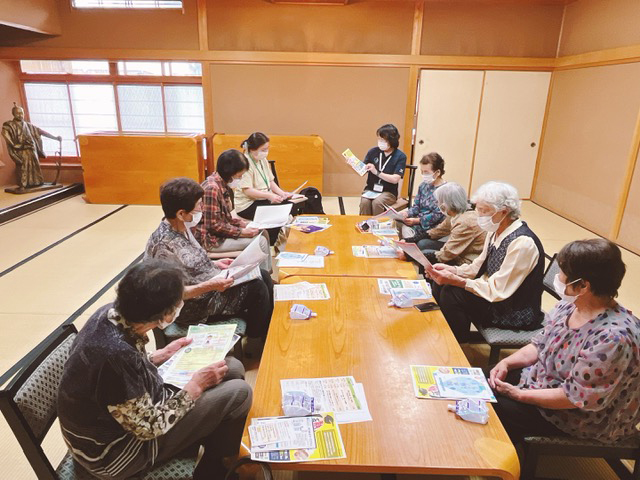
{"points": [[28, 403], [402, 203], [499, 338]]}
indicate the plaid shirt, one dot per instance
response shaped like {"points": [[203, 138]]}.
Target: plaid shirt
{"points": [[217, 222]]}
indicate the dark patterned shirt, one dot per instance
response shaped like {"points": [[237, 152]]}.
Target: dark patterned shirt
{"points": [[112, 403], [425, 207], [217, 222], [598, 368]]}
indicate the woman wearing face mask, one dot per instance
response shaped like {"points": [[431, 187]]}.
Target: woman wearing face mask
{"points": [[218, 231], [117, 416], [385, 164], [580, 375], [425, 213], [206, 297], [503, 286], [257, 186]]}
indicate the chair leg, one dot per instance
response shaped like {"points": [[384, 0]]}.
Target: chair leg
{"points": [[530, 462], [494, 355]]}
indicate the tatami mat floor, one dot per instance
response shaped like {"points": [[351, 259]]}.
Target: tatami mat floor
{"points": [[40, 294]]}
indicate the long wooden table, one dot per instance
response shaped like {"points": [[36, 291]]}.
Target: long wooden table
{"points": [[356, 333], [340, 237]]}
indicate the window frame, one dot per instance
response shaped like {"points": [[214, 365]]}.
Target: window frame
{"points": [[136, 9], [114, 79]]}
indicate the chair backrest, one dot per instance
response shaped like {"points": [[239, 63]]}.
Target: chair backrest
{"points": [[29, 401], [549, 274], [272, 164], [412, 176]]}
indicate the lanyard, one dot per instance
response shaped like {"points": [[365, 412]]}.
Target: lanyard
{"points": [[259, 169], [382, 167]]}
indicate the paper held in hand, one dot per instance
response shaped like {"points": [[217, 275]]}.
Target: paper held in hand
{"points": [[390, 213], [297, 190], [271, 216], [354, 162], [246, 266], [414, 252]]}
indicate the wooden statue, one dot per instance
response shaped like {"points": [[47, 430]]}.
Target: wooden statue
{"points": [[24, 143]]}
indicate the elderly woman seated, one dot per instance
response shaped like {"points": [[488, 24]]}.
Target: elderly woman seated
{"points": [[204, 294], [117, 416], [503, 286], [218, 231], [578, 376], [465, 238]]}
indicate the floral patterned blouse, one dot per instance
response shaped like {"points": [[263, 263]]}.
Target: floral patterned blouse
{"points": [[425, 207], [598, 368]]}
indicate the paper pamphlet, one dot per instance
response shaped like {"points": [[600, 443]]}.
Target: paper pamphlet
{"points": [[251, 255], [414, 252], [271, 216], [342, 395], [279, 433], [387, 232], [450, 383], [241, 274], [301, 291], [373, 251], [296, 190], [385, 285], [354, 162], [311, 221], [390, 213], [370, 194], [210, 344], [328, 443], [292, 256], [310, 261]]}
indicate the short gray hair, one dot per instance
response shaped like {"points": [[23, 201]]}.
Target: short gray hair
{"points": [[453, 196], [499, 195]]}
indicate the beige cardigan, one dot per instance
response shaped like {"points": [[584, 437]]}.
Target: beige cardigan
{"points": [[466, 238]]}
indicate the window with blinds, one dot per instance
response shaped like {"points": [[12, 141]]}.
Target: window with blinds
{"points": [[142, 4]]}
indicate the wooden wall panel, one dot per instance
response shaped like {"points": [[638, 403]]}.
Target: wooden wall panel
{"points": [[592, 25], [590, 126], [630, 228], [10, 88], [344, 105], [34, 15], [359, 27], [146, 29], [503, 29]]}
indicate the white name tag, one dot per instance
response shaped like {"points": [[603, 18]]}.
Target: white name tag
{"points": [[377, 187]]}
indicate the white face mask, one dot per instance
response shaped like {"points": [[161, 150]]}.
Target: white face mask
{"points": [[197, 216], [382, 145], [261, 155], [486, 223], [560, 288], [234, 183], [162, 324], [428, 177]]}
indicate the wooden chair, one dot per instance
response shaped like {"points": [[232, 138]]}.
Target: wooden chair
{"points": [[29, 404], [499, 338], [402, 203]]}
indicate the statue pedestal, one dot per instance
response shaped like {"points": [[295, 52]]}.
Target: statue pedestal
{"points": [[39, 188]]}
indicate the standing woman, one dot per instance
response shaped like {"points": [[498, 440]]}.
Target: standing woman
{"points": [[425, 213], [385, 164]]}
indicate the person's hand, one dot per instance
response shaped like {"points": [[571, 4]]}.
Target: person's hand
{"points": [[444, 266], [507, 389], [411, 221], [371, 168], [223, 263], [163, 354], [275, 198], [404, 213], [206, 377], [249, 232], [400, 255], [498, 372], [218, 284], [59, 138], [286, 195], [445, 277]]}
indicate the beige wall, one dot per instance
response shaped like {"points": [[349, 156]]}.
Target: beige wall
{"points": [[36, 15], [463, 28], [146, 29], [344, 105], [590, 126], [10, 88], [591, 25], [630, 228], [359, 27]]}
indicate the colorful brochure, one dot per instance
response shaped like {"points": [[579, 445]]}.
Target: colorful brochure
{"points": [[353, 161], [301, 291], [421, 287], [451, 383]]}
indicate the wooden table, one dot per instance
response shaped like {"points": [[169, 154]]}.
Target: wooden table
{"points": [[356, 333], [340, 237]]}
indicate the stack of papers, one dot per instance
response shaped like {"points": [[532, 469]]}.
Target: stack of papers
{"points": [[297, 439], [271, 216], [341, 395], [415, 289], [451, 383], [310, 224], [374, 251], [210, 344], [355, 163], [299, 260], [301, 291], [376, 227]]}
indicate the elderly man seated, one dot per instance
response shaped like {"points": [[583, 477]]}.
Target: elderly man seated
{"points": [[503, 286], [117, 416]]}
